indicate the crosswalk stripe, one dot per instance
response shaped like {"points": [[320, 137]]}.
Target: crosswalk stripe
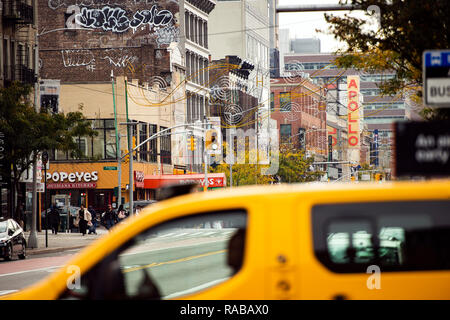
{"points": [[180, 235]]}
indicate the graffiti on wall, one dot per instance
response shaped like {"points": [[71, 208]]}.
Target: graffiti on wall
{"points": [[85, 58], [55, 4], [119, 57], [78, 58], [116, 19], [167, 35]]}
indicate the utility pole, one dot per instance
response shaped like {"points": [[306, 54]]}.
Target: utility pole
{"points": [[119, 173], [32, 239], [205, 185]]}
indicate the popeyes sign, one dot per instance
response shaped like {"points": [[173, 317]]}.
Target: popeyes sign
{"points": [[72, 177], [72, 180], [353, 111]]}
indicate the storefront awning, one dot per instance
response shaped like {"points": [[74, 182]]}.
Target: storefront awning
{"points": [[215, 180]]}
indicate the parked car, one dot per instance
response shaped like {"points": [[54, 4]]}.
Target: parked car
{"points": [[138, 204], [272, 242], [12, 240]]}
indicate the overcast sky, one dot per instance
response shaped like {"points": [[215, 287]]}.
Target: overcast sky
{"points": [[304, 25]]}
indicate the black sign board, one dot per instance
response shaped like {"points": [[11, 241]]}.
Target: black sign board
{"points": [[422, 148]]}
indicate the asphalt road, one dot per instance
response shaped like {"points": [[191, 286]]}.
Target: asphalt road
{"points": [[178, 271], [19, 274], [179, 262]]}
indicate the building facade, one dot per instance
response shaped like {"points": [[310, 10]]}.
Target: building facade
{"points": [[17, 63], [197, 53], [299, 108], [379, 112], [242, 29], [116, 63]]}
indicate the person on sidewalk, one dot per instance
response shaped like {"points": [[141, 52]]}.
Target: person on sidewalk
{"points": [[54, 219], [121, 215], [84, 219], [93, 228], [110, 217]]}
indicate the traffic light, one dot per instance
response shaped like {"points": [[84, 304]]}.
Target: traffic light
{"points": [[133, 141], [126, 158], [211, 140], [192, 143]]}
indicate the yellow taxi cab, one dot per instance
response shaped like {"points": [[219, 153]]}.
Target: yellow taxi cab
{"points": [[326, 241]]}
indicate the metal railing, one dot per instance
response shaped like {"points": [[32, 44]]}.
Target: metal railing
{"points": [[18, 11], [20, 73]]}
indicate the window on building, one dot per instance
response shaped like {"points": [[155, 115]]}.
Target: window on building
{"points": [[272, 101], [205, 34], [166, 147], [285, 101], [143, 150], [188, 64], [187, 24], [200, 32], [153, 144], [285, 130]]}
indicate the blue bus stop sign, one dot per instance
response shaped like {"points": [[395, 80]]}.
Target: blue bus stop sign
{"points": [[436, 77]]}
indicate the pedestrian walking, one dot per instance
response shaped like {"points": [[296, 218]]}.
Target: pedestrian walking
{"points": [[84, 219], [110, 217], [93, 228], [121, 215], [54, 219]]}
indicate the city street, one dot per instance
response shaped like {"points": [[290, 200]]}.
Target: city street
{"points": [[225, 150], [18, 274]]}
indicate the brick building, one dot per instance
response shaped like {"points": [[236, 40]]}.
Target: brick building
{"points": [[82, 45], [298, 107]]}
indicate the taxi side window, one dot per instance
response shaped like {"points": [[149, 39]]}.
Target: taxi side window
{"points": [[174, 259], [396, 236]]}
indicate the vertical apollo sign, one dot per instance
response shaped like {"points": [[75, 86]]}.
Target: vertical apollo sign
{"points": [[353, 112]]}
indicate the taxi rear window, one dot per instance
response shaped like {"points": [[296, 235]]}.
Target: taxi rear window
{"points": [[395, 236]]}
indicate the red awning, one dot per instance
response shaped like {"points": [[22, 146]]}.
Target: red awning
{"points": [[214, 180]]}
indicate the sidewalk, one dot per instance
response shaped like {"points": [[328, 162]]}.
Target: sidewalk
{"points": [[62, 241]]}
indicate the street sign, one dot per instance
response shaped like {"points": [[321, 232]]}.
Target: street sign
{"points": [[436, 77], [422, 148], [109, 168]]}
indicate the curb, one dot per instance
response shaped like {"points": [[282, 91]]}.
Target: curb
{"points": [[31, 251]]}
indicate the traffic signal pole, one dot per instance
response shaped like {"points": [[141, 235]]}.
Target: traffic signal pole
{"points": [[131, 150]]}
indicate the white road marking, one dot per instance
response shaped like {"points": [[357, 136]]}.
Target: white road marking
{"points": [[166, 235], [4, 292], [197, 288], [26, 271], [180, 235]]}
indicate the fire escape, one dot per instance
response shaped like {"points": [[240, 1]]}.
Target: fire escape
{"points": [[19, 15]]}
